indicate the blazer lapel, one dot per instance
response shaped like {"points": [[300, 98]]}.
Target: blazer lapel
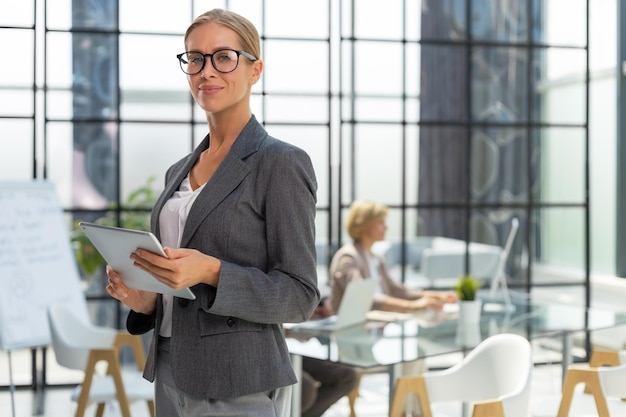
{"points": [[226, 178]]}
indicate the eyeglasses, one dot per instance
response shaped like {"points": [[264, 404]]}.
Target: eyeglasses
{"points": [[224, 60]]}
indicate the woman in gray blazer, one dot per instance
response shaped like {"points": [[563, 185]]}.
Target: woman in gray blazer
{"points": [[237, 219]]}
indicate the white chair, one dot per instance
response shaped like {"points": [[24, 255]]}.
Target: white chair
{"points": [[494, 377], [80, 345]]}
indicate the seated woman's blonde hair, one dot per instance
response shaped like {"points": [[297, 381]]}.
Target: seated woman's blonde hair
{"points": [[362, 212]]}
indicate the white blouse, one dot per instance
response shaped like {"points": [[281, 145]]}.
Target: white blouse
{"points": [[172, 223]]}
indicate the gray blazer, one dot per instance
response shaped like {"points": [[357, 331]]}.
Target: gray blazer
{"points": [[257, 215]]}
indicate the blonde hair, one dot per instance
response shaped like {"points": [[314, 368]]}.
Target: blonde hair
{"points": [[361, 214], [248, 35]]}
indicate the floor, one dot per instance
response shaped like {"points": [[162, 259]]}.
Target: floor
{"points": [[372, 403]]}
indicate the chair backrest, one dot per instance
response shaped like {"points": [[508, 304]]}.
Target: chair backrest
{"points": [[612, 381], [500, 365], [73, 337]]}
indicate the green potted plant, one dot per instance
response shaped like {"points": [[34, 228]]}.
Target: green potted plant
{"points": [[466, 288], [468, 324]]}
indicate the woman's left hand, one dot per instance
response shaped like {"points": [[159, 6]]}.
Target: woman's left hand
{"points": [[181, 269]]}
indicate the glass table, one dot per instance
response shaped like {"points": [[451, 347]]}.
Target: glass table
{"points": [[396, 339]]}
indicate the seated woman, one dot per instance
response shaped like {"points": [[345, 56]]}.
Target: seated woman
{"points": [[356, 261]]}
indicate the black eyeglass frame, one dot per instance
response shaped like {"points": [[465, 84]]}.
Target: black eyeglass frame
{"points": [[238, 52]]}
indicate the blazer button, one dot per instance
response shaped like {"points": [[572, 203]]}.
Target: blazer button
{"points": [[231, 322], [183, 302]]}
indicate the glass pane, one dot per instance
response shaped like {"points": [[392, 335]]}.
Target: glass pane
{"points": [[500, 21], [160, 144], [59, 65], [59, 14], [379, 109], [315, 25], [412, 70], [500, 84], [368, 15], [561, 22], [603, 38], [603, 173], [444, 20], [16, 150], [561, 82], [443, 83], [411, 164], [17, 103], [289, 109], [314, 140], [499, 165], [372, 60], [143, 104], [94, 75], [148, 62], [60, 104], [377, 160], [82, 158], [100, 15], [561, 177], [489, 233], [67, 174], [12, 44], [133, 16], [559, 239], [443, 155], [18, 16], [296, 67]]}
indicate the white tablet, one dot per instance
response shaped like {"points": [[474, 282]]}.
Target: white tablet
{"points": [[115, 244]]}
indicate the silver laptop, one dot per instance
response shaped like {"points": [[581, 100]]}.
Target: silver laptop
{"points": [[357, 301]]}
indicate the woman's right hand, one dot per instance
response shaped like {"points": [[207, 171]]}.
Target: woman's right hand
{"points": [[424, 303], [137, 300]]}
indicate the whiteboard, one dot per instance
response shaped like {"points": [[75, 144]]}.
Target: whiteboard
{"points": [[37, 265]]}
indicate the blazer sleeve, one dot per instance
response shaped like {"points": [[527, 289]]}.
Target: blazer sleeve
{"points": [[285, 183]]}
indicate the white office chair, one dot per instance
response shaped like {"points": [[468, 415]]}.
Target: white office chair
{"points": [[494, 377], [80, 345]]}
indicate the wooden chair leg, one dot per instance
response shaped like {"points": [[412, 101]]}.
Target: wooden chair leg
{"points": [[601, 357], [151, 407], [406, 386], [83, 398], [354, 394], [589, 377], [100, 410], [115, 371], [488, 409]]}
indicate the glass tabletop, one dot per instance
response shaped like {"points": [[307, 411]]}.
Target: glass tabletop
{"points": [[426, 334]]}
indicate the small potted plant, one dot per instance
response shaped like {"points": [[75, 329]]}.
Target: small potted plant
{"points": [[468, 328], [466, 288]]}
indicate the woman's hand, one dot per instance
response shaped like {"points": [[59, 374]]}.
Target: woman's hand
{"points": [[181, 269], [427, 302], [443, 296], [139, 301], [324, 309]]}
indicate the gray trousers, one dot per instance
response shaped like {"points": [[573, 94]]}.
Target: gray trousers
{"points": [[171, 402]]}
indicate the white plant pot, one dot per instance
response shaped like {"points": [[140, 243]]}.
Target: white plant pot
{"points": [[468, 323]]}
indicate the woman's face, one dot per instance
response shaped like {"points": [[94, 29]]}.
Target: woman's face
{"points": [[215, 91], [376, 229]]}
